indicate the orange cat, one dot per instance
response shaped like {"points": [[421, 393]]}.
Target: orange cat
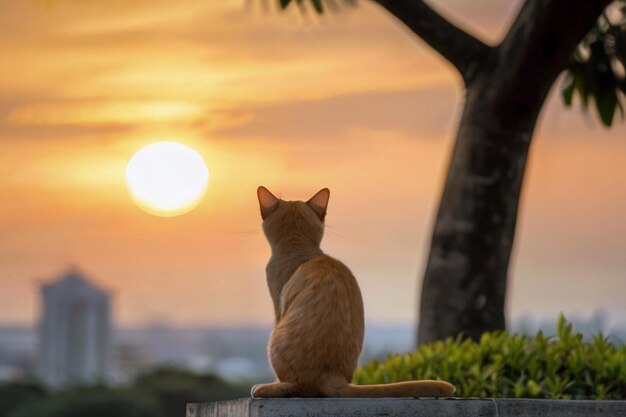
{"points": [[318, 332]]}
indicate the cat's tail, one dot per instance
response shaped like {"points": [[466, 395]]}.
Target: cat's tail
{"points": [[423, 388]]}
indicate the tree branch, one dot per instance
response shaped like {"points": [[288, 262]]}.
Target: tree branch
{"points": [[536, 50], [461, 49], [547, 31]]}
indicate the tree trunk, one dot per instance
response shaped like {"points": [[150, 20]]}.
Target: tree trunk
{"points": [[464, 287], [465, 283]]}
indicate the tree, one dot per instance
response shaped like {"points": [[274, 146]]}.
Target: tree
{"points": [[94, 402], [174, 388], [505, 87], [13, 395], [157, 393]]}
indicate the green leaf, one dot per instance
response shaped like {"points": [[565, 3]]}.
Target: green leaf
{"points": [[319, 7], [591, 72], [606, 104], [317, 4], [534, 389], [561, 326], [568, 90]]}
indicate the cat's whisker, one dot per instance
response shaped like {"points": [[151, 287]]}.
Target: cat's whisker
{"points": [[245, 232], [249, 239], [246, 236], [332, 233]]}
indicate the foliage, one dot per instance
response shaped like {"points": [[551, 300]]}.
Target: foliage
{"points": [[318, 5], [13, 395], [174, 388], [597, 67], [93, 402], [160, 393], [510, 365]]}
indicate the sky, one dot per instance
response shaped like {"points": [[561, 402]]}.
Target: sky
{"points": [[350, 101]]}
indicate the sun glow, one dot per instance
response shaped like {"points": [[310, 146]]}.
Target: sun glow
{"points": [[167, 178]]}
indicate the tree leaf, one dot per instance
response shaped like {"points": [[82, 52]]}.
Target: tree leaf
{"points": [[319, 7], [605, 94], [592, 71], [568, 89]]}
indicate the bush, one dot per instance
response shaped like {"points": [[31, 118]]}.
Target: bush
{"points": [[12, 395], [511, 365], [174, 388], [160, 393], [93, 402]]}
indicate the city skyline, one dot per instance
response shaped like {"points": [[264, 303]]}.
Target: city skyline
{"points": [[349, 101]]}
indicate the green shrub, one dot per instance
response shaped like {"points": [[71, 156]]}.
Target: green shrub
{"points": [[511, 365]]}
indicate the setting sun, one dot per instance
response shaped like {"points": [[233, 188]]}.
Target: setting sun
{"points": [[167, 178]]}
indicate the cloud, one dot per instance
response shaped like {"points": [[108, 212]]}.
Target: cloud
{"points": [[60, 132], [43, 117], [107, 112], [426, 112]]}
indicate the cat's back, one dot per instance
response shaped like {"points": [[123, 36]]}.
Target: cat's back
{"points": [[325, 273], [326, 267], [322, 287]]}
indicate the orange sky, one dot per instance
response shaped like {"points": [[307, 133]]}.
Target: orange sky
{"points": [[350, 102]]}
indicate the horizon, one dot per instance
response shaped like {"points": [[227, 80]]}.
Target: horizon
{"points": [[611, 320]]}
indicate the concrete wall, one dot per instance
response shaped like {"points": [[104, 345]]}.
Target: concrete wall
{"points": [[404, 407]]}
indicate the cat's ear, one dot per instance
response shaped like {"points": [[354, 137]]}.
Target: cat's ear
{"points": [[267, 201], [319, 202]]}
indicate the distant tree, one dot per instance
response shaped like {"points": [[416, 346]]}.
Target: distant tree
{"points": [[15, 394], [505, 87], [161, 392], [92, 402], [174, 388]]}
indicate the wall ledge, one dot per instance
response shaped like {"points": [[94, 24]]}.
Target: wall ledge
{"points": [[406, 407]]}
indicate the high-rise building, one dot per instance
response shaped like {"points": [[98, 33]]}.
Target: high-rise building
{"points": [[75, 332]]}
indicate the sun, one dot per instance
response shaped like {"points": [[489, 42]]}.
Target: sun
{"points": [[167, 178]]}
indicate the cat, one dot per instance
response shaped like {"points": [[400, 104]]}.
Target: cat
{"points": [[318, 333]]}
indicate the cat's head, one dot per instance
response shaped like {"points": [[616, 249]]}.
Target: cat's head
{"points": [[293, 222]]}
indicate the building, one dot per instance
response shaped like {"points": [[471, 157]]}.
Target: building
{"points": [[75, 332]]}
